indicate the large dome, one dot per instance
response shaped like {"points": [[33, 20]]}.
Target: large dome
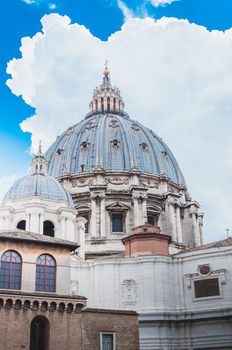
{"points": [[108, 139], [113, 142], [38, 185]]}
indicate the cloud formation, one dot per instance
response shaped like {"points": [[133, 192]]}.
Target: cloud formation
{"points": [[50, 5], [175, 78], [127, 13], [157, 3]]}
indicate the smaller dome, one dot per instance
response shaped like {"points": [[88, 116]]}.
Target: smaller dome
{"points": [[38, 185]]}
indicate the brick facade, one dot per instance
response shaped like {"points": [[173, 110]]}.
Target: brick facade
{"points": [[146, 240], [70, 327]]}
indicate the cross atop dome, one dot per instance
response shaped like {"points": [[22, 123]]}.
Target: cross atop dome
{"points": [[106, 98], [39, 164]]}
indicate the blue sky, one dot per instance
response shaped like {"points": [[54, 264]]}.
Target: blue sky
{"points": [[21, 18], [103, 18]]}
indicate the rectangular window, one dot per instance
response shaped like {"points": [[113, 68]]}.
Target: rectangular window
{"points": [[107, 341], [117, 223], [207, 288]]}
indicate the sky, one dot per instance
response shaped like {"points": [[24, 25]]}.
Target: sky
{"points": [[171, 60]]}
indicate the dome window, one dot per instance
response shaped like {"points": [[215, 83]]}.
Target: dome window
{"points": [[48, 228], [135, 127], [165, 154], [115, 142], [144, 146], [70, 131], [84, 145], [60, 151], [21, 225]]}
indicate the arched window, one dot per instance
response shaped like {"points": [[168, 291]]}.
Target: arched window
{"points": [[39, 333], [45, 273], [108, 103], [48, 228], [10, 272], [22, 225]]}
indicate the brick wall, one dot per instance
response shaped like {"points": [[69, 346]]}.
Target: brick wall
{"points": [[69, 330]]}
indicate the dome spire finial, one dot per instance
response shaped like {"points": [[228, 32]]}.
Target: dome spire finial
{"points": [[106, 71], [106, 98], [39, 163], [39, 152]]}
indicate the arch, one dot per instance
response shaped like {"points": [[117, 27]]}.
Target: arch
{"points": [[9, 304], [1, 303], [52, 307], [79, 307], [11, 270], [108, 103], [26, 305], [48, 228], [35, 305], [44, 306], [45, 274], [70, 308], [39, 333], [61, 307], [21, 225], [18, 304]]}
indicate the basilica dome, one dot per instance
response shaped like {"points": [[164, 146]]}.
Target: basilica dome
{"points": [[108, 139], [38, 183]]}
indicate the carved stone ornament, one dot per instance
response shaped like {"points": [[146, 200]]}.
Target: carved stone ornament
{"points": [[117, 180], [129, 292], [149, 183], [81, 183]]}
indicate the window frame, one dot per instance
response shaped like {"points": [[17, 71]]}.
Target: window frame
{"points": [[101, 339], [44, 272], [123, 222], [219, 296], [10, 269]]}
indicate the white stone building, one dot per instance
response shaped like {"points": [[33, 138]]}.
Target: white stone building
{"points": [[121, 175]]}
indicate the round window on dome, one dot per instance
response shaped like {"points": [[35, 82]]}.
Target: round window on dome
{"points": [[115, 142], [204, 270]]}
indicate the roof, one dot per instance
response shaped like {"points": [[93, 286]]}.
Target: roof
{"points": [[38, 185], [113, 142], [19, 235], [218, 244]]}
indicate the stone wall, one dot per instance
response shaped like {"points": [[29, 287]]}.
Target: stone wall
{"points": [[70, 327]]}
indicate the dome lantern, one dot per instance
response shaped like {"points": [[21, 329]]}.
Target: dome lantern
{"points": [[39, 164], [105, 97]]}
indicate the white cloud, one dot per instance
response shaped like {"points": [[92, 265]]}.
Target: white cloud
{"points": [[157, 3], [175, 77], [127, 13], [29, 2], [50, 5]]}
